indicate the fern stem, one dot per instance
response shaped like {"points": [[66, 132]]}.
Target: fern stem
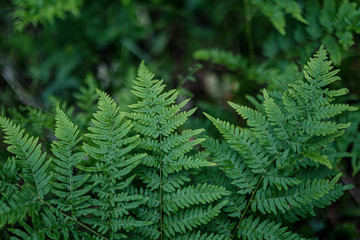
{"points": [[70, 184], [160, 187], [247, 206], [110, 189], [249, 30]]}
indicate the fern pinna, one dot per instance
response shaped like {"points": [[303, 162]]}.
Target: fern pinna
{"points": [[279, 165], [176, 206]]}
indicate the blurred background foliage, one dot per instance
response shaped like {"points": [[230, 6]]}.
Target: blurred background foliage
{"points": [[211, 50]]}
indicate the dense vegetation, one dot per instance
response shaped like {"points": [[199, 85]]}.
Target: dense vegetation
{"points": [[96, 146]]}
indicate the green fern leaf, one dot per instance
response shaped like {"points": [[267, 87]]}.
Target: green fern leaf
{"points": [[111, 151], [189, 196], [190, 219], [276, 117], [21, 203], [267, 201], [243, 142], [232, 164], [171, 159], [260, 126], [69, 188], [30, 159], [256, 229]]}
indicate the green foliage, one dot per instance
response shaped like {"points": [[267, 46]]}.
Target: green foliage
{"points": [[282, 143], [29, 157], [142, 175], [168, 167], [332, 22], [349, 143], [111, 173], [275, 10], [51, 47], [255, 229], [69, 187], [217, 56], [35, 12], [86, 101]]}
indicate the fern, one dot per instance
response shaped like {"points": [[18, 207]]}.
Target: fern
{"points": [[142, 175], [167, 169], [275, 10], [110, 175], [62, 215], [332, 22], [34, 12], [34, 168], [86, 101], [70, 188], [283, 140], [350, 142]]}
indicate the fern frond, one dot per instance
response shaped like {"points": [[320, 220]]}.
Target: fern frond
{"points": [[28, 154], [69, 188], [171, 159], [309, 99], [276, 10], [86, 97], [86, 101], [111, 150], [8, 177], [45, 225], [283, 140]]}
